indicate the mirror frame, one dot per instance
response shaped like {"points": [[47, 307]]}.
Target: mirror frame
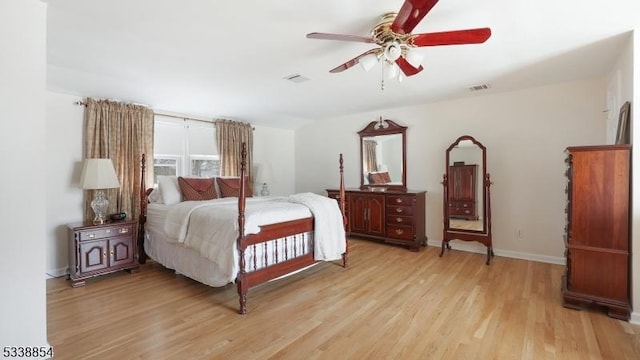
{"points": [[384, 127], [483, 236]]}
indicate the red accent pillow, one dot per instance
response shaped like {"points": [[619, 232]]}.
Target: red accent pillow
{"points": [[375, 179], [230, 187], [196, 189]]}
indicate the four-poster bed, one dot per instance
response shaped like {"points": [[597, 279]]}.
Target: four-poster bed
{"points": [[260, 249]]}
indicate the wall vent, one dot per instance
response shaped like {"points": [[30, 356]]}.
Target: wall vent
{"points": [[296, 78], [479, 87]]}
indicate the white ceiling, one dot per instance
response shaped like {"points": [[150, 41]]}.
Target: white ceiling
{"points": [[208, 58]]}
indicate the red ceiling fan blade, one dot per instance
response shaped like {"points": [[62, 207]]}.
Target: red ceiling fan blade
{"points": [[354, 61], [410, 14], [458, 37], [340, 37], [406, 67]]}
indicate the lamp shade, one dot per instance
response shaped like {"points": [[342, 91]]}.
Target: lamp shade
{"points": [[99, 174], [368, 61], [264, 173]]}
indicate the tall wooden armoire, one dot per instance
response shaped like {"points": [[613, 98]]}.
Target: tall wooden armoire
{"points": [[598, 228], [462, 191]]}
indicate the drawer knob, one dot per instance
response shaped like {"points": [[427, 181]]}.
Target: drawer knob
{"points": [[399, 201], [399, 231], [92, 235], [108, 231], [398, 210], [123, 230], [399, 220]]}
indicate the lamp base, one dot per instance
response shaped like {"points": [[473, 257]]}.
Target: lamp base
{"points": [[99, 204], [265, 190]]}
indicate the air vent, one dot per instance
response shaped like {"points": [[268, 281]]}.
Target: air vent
{"points": [[479, 87], [296, 78]]}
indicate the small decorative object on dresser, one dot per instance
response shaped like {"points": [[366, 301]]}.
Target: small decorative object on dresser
{"points": [[597, 235], [101, 249]]}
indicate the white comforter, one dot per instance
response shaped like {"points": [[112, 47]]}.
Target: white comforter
{"points": [[211, 227]]}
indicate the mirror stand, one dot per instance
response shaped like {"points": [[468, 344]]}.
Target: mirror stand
{"points": [[467, 216]]}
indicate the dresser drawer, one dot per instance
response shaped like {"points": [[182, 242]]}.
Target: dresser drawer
{"points": [[400, 232], [400, 200], [399, 210], [399, 220], [105, 232]]}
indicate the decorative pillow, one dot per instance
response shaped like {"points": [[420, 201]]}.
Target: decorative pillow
{"points": [[385, 177], [169, 189], [375, 179], [230, 187], [196, 189]]}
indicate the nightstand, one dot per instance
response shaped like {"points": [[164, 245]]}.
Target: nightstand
{"points": [[101, 249]]}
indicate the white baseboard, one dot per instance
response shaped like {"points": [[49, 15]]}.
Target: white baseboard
{"points": [[635, 318], [54, 273], [481, 249]]}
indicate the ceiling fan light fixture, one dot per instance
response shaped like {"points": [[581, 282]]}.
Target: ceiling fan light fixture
{"points": [[390, 69], [392, 51], [414, 58], [368, 62]]}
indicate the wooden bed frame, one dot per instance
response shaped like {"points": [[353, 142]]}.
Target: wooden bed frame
{"points": [[284, 264]]}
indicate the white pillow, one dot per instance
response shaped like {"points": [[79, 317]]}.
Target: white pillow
{"points": [[169, 189], [155, 197]]}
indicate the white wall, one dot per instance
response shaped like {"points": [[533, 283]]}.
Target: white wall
{"points": [[64, 165], [276, 147], [22, 154], [525, 132], [629, 66]]}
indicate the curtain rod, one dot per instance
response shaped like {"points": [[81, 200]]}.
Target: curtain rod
{"points": [[84, 103]]}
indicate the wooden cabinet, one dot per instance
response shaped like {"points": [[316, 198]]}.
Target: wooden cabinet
{"points": [[367, 214], [394, 217], [462, 191], [597, 232], [101, 249]]}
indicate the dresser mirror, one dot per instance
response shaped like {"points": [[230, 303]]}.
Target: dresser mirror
{"points": [[383, 156], [467, 206]]}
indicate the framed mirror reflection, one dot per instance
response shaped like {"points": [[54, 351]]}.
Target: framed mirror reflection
{"points": [[382, 156], [466, 200]]}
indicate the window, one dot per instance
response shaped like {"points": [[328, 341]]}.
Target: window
{"points": [[184, 148]]}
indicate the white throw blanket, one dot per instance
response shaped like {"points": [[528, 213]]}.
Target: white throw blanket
{"points": [[211, 227], [329, 239]]}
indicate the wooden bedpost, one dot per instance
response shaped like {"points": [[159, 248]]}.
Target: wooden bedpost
{"points": [[342, 210], [242, 287], [142, 217]]}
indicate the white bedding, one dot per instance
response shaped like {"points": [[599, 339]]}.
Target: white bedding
{"points": [[210, 228]]}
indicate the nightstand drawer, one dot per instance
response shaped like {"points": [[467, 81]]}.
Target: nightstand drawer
{"points": [[105, 232]]}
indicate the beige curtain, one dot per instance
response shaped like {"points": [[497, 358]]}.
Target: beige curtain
{"points": [[121, 132], [230, 136], [370, 160]]}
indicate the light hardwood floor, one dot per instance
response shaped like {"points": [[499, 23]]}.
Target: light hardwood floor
{"points": [[390, 304]]}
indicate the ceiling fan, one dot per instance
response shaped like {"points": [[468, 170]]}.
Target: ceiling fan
{"points": [[393, 35]]}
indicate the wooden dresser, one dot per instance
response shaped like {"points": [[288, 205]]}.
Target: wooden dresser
{"points": [[101, 249], [395, 217], [597, 233], [462, 191]]}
